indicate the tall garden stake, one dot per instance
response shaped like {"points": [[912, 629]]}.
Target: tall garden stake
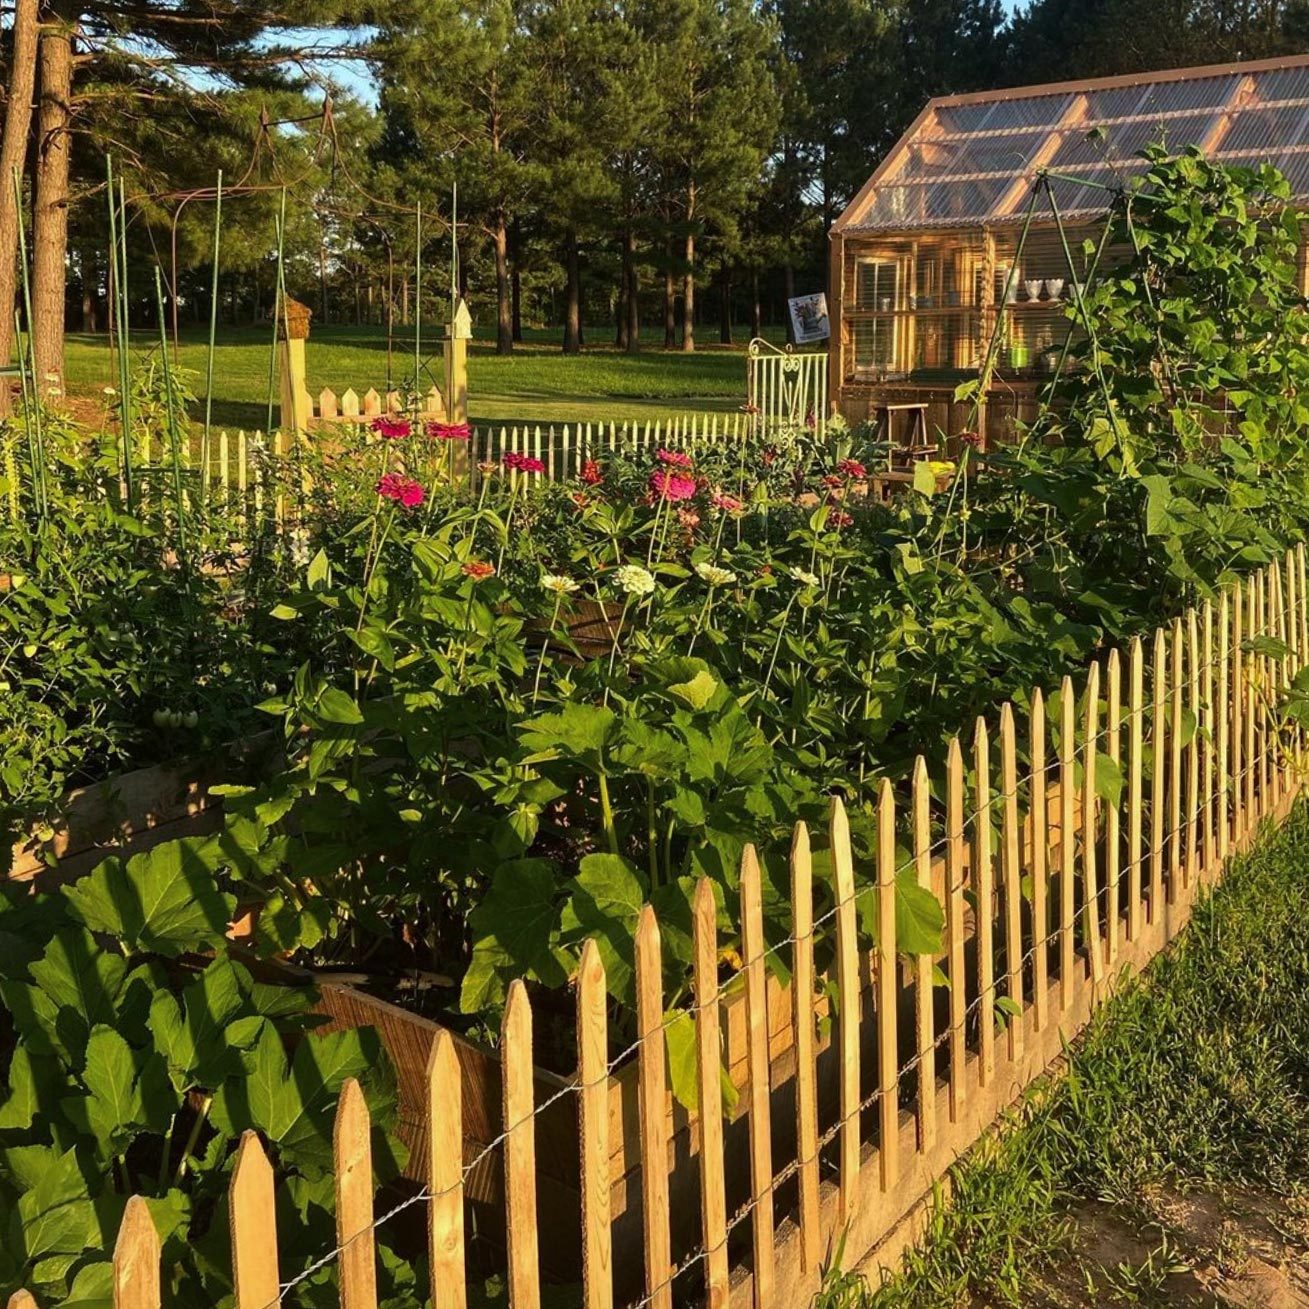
{"points": [[32, 393], [213, 327], [124, 327], [170, 419], [119, 324], [277, 299]]}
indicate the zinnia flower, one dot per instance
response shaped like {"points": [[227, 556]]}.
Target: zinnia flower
{"points": [[558, 584], [478, 569], [803, 577], [449, 431], [523, 464], [729, 504], [668, 485], [832, 481], [839, 518], [714, 575], [688, 518], [634, 580], [852, 468], [580, 499], [971, 438], [591, 473], [674, 458], [403, 490], [392, 429], [487, 466]]}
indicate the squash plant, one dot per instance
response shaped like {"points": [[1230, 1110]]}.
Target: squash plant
{"points": [[139, 1048]]}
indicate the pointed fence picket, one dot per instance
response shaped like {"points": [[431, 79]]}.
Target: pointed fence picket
{"points": [[768, 1213]]}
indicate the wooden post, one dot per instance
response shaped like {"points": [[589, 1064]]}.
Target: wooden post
{"points": [[984, 891], [1067, 842], [458, 332], [136, 1269], [954, 923], [593, 1128], [1193, 750], [888, 1058], [524, 1277], [1112, 812], [292, 332], [352, 1152], [923, 985], [445, 1174], [1135, 751], [1175, 756], [653, 1101], [847, 995], [713, 1202], [1011, 875], [1040, 871], [756, 1007], [1090, 881], [806, 1073], [1206, 694], [1222, 716], [1251, 675], [253, 1223], [1236, 693]]}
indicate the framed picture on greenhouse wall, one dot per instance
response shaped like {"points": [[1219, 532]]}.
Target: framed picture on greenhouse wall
{"points": [[809, 318]]}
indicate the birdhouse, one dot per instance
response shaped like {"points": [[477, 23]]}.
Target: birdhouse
{"points": [[293, 320], [463, 323]]}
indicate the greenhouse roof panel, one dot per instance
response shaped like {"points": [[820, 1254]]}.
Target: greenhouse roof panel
{"points": [[973, 159]]}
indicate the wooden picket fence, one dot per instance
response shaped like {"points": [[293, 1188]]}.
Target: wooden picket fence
{"points": [[846, 1131]]}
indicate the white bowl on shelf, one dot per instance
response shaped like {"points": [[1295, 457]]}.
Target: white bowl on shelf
{"points": [[1033, 288], [1054, 288]]}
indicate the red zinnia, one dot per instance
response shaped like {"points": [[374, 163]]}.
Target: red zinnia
{"points": [[449, 431], [392, 429], [403, 490], [852, 468], [674, 458], [478, 569], [591, 473], [523, 464], [839, 518]]}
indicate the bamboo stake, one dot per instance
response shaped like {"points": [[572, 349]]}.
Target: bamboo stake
{"points": [[1193, 750], [1237, 693], [1136, 750], [1223, 723], [1112, 813], [1067, 861], [1040, 872], [1090, 883], [213, 329], [1175, 757], [1206, 695]]}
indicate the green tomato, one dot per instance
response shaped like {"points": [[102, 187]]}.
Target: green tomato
{"points": [[159, 718], [190, 718], [17, 579], [29, 650]]}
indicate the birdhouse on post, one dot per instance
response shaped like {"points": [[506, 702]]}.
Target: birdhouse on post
{"points": [[292, 333], [458, 333]]}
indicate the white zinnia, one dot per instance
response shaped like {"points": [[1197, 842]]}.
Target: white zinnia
{"points": [[714, 575], [558, 584], [635, 580], [803, 577]]}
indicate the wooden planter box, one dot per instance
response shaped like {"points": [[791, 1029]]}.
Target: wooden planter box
{"points": [[135, 811]]}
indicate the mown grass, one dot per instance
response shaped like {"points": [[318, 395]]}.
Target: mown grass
{"points": [[1198, 1072], [537, 383]]}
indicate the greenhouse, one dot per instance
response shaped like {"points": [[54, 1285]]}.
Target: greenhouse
{"points": [[955, 241]]}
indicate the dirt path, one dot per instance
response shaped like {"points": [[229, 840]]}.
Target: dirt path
{"points": [[1228, 1247]]}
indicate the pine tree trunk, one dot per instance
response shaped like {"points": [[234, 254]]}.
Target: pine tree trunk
{"points": [[89, 316], [516, 284], [670, 301], [688, 297], [620, 311], [13, 152], [50, 225], [504, 314], [633, 295], [725, 308], [573, 305]]}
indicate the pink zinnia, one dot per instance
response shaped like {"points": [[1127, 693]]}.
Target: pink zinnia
{"points": [[449, 431], [729, 504], [524, 463], [852, 468], [391, 428], [671, 486], [591, 473], [674, 458]]}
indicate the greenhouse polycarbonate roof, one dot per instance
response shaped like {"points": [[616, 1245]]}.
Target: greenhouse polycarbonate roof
{"points": [[972, 159]]}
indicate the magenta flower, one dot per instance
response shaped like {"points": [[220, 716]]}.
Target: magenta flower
{"points": [[591, 473], [852, 468], [403, 490], [392, 429], [449, 431], [674, 458], [523, 464], [668, 485]]}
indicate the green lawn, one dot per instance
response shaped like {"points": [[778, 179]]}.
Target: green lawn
{"points": [[537, 383]]}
